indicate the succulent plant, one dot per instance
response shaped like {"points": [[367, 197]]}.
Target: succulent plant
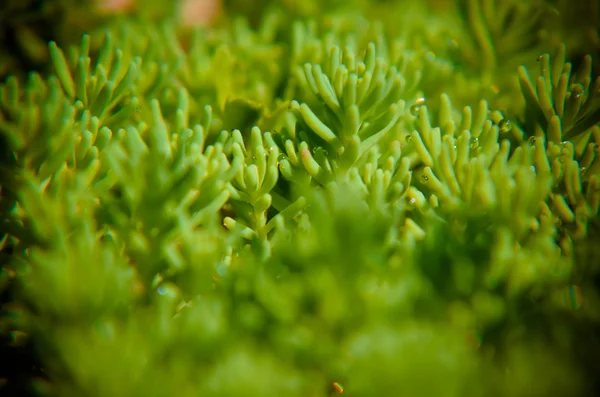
{"points": [[311, 200]]}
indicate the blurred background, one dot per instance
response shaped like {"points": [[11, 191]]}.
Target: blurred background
{"points": [[27, 25]]}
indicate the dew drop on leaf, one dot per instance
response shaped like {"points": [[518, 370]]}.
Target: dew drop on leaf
{"points": [[577, 90], [414, 109], [474, 143], [532, 141], [504, 126]]}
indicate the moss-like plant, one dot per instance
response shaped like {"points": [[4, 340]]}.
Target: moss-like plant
{"points": [[369, 198]]}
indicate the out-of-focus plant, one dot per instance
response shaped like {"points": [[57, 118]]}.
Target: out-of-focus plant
{"points": [[301, 202]]}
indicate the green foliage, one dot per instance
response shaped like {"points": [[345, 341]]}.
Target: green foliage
{"points": [[267, 207]]}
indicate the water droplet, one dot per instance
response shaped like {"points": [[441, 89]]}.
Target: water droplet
{"points": [[414, 109], [504, 126], [424, 178], [412, 201], [532, 141], [540, 57], [583, 170], [408, 138], [577, 90], [162, 290], [474, 143]]}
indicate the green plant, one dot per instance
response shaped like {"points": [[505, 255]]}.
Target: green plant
{"points": [[310, 205]]}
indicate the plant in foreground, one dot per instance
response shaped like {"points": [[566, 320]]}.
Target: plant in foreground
{"points": [[303, 208]]}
